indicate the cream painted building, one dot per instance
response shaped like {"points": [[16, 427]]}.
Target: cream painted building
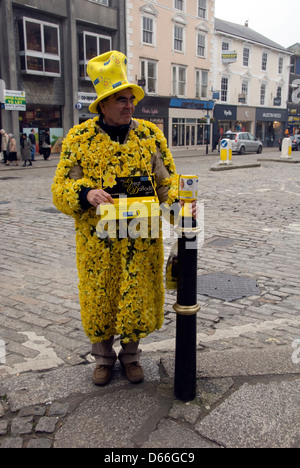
{"points": [[170, 54], [252, 74]]}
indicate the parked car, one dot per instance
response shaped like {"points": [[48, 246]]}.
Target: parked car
{"points": [[243, 142], [295, 142]]}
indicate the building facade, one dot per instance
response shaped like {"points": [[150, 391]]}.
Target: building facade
{"points": [[45, 49], [251, 74], [294, 90], [169, 49]]}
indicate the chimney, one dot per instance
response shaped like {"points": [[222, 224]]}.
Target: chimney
{"points": [[247, 23]]}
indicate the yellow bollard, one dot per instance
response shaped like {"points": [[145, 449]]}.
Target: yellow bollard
{"points": [[286, 149], [226, 152]]}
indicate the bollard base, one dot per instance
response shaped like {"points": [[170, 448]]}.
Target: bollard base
{"points": [[186, 310], [185, 384]]}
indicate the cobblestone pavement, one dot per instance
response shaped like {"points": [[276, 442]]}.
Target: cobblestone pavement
{"points": [[251, 229]]}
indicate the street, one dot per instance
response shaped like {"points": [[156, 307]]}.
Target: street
{"points": [[251, 230]]}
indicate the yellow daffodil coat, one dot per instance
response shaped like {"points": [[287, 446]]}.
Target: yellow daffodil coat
{"points": [[121, 288]]}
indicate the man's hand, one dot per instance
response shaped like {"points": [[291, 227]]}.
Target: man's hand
{"points": [[99, 197], [193, 206]]}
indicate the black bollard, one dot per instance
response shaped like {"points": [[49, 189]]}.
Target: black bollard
{"points": [[186, 309]]}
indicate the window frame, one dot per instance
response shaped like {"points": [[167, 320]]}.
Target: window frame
{"points": [[179, 27], [143, 30], [201, 46], [38, 55], [202, 9], [223, 78], [264, 62], [177, 83], [200, 85], [83, 61], [145, 62]]}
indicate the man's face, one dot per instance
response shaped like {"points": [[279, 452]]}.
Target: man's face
{"points": [[118, 109]]}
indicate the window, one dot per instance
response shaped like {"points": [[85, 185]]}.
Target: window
{"points": [[246, 56], [39, 44], [178, 38], [148, 30], [149, 74], [179, 5], [245, 89], [263, 94], [179, 81], [277, 101], [224, 89], [201, 45], [90, 46], [264, 61], [102, 2], [201, 84], [280, 65], [202, 9], [225, 45]]}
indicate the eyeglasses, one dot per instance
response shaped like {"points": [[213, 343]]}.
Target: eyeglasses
{"points": [[124, 101]]}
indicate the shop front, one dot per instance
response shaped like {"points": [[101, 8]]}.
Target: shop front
{"points": [[245, 119], [294, 120], [225, 118], [42, 118], [155, 110], [190, 124], [271, 125]]}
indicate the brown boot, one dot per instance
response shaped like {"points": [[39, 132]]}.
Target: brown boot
{"points": [[134, 372], [102, 375]]}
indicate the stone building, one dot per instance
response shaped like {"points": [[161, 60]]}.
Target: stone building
{"points": [[45, 46]]}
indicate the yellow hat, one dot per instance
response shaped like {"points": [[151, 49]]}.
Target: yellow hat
{"points": [[108, 73]]}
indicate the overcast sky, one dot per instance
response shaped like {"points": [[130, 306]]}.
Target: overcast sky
{"points": [[278, 21]]}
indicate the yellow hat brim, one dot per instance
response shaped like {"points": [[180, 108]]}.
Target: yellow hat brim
{"points": [[138, 92]]}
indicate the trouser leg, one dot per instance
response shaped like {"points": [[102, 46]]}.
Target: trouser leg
{"points": [[129, 353], [104, 353]]}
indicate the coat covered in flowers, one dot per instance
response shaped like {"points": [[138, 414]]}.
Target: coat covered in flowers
{"points": [[120, 280]]}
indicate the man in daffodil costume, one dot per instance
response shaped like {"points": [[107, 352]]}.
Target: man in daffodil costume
{"points": [[120, 279]]}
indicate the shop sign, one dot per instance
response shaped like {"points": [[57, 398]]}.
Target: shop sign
{"points": [[269, 115], [230, 56], [86, 98], [225, 112], [15, 100], [191, 104]]}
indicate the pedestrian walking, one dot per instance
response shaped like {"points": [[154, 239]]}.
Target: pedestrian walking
{"points": [[12, 150], [46, 147], [33, 144], [4, 145], [26, 150], [120, 279]]}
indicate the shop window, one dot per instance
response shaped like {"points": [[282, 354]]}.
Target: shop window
{"points": [[90, 46], [39, 45]]}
